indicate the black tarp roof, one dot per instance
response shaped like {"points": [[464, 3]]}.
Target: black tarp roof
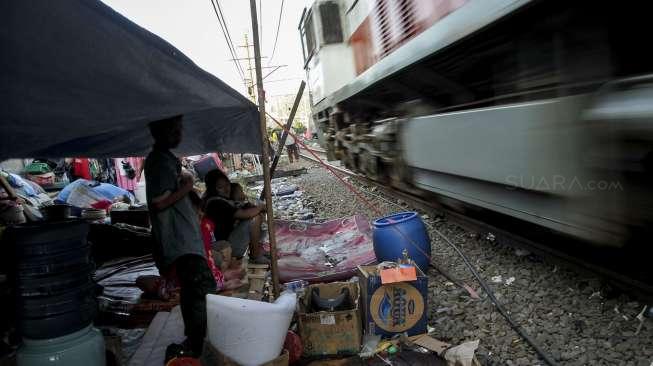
{"points": [[79, 79]]}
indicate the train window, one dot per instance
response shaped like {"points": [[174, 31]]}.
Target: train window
{"points": [[308, 35], [331, 27]]}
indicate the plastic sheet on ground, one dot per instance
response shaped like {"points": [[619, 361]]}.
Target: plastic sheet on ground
{"points": [[323, 252], [120, 293], [87, 193], [165, 328]]}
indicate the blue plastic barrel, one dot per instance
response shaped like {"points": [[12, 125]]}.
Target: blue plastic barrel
{"points": [[404, 230]]}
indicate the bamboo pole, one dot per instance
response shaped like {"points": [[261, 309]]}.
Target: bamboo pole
{"points": [[284, 134], [264, 152]]}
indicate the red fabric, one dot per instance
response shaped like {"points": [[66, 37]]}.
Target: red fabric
{"points": [[81, 168], [102, 205], [184, 361], [293, 344], [208, 237]]}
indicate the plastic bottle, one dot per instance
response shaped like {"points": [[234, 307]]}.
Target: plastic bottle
{"points": [[297, 286]]}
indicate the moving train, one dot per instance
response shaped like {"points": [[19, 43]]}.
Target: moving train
{"points": [[540, 110]]}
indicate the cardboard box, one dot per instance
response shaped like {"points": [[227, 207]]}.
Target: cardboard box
{"points": [[393, 308], [330, 332]]}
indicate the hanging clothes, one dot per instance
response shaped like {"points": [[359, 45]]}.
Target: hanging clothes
{"points": [[107, 171], [81, 169], [94, 168], [128, 172]]}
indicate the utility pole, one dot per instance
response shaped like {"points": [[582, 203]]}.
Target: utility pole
{"points": [[250, 80], [264, 152]]}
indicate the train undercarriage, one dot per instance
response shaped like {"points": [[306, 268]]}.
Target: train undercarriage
{"points": [[544, 115]]}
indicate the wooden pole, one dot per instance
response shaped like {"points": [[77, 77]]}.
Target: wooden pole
{"points": [[264, 152], [284, 135]]}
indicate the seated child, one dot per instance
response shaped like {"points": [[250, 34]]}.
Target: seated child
{"points": [[239, 197], [218, 253], [231, 279]]}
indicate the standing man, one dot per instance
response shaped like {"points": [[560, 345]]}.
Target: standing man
{"points": [[179, 251], [292, 149]]}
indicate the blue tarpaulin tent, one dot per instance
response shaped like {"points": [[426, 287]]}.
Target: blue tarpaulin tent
{"points": [[79, 79]]}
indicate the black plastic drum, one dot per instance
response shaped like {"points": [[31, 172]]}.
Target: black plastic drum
{"points": [[51, 271]]}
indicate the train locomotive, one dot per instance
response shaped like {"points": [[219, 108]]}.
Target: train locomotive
{"points": [[540, 110]]}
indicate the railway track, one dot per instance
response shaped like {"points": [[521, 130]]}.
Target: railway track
{"points": [[515, 233]]}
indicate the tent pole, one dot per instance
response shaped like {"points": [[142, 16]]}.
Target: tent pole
{"points": [[284, 134], [264, 152]]}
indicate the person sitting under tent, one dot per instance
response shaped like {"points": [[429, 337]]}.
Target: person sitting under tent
{"points": [[239, 226]]}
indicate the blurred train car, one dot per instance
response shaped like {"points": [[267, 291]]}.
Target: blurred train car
{"points": [[540, 110]]}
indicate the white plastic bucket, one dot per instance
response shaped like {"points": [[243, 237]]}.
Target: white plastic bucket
{"points": [[247, 331]]}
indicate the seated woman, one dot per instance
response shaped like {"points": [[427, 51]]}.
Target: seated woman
{"points": [[164, 286], [239, 226]]}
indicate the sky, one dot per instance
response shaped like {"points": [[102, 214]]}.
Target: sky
{"points": [[193, 28]]}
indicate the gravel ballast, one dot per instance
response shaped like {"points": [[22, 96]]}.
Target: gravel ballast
{"points": [[573, 316]]}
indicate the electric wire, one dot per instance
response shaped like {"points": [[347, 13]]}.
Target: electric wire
{"points": [[276, 37], [227, 37], [226, 28]]}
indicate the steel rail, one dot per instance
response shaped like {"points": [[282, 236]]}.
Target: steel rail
{"points": [[627, 284]]}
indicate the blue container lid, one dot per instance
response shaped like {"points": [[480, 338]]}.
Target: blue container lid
{"points": [[395, 219]]}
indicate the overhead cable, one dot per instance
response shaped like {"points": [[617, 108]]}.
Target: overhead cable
{"points": [[276, 37], [226, 28], [227, 38]]}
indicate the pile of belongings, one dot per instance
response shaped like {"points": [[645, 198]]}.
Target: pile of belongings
{"points": [[47, 173], [84, 193], [31, 193], [203, 164], [287, 201]]}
